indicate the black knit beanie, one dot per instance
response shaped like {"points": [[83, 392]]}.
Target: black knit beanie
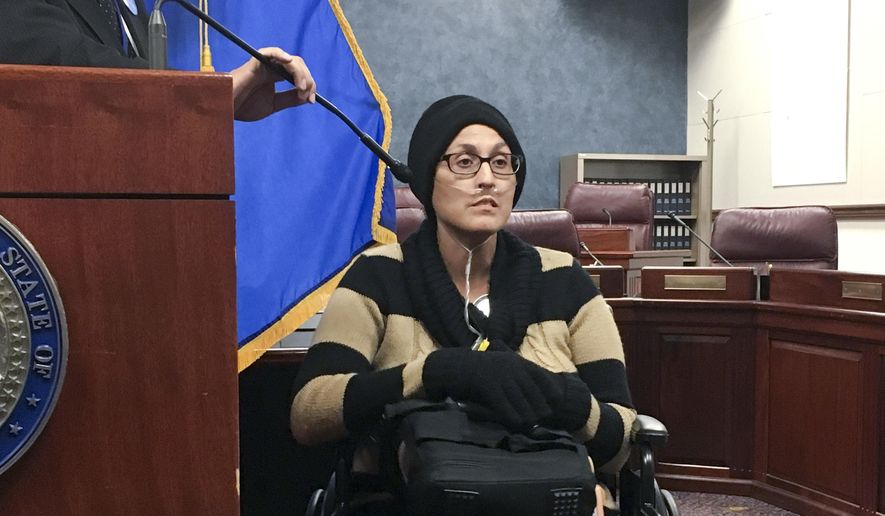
{"points": [[436, 129]]}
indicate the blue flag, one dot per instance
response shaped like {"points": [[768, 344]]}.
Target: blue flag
{"points": [[309, 196]]}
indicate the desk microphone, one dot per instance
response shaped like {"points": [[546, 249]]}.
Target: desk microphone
{"points": [[605, 210], [701, 240], [157, 53], [586, 249]]}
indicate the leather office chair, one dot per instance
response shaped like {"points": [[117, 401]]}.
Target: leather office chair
{"points": [[553, 229], [804, 237], [630, 205], [405, 198], [409, 212]]}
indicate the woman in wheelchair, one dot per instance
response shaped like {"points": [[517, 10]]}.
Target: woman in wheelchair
{"points": [[466, 311]]}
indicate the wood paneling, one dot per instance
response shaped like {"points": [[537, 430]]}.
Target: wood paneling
{"points": [[609, 238], [738, 283], [691, 365], [881, 433], [642, 356], [610, 279], [814, 429], [693, 386], [859, 211], [94, 125], [823, 288], [146, 422], [768, 458], [706, 398]]}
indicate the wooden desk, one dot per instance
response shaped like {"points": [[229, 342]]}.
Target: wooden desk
{"points": [[608, 238], [721, 283], [827, 288], [609, 279], [634, 261], [778, 400]]}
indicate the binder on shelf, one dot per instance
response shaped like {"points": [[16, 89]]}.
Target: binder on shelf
{"points": [[688, 206], [659, 198], [680, 197]]}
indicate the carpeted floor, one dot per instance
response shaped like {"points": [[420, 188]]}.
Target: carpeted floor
{"points": [[702, 504]]}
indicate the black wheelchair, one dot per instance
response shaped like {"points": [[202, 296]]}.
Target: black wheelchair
{"points": [[634, 487]]}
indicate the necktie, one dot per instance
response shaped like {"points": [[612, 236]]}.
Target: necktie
{"points": [[111, 17], [110, 8]]}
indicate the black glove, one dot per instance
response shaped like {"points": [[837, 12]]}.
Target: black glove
{"points": [[506, 384], [570, 399]]}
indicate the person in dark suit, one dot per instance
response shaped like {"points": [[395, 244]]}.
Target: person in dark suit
{"points": [[113, 34]]}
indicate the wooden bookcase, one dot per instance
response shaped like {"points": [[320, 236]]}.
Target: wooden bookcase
{"points": [[650, 167]]}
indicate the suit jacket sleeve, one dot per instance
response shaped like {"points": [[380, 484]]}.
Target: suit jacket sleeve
{"points": [[43, 32]]}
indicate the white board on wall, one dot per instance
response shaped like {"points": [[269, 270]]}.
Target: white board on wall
{"points": [[809, 91]]}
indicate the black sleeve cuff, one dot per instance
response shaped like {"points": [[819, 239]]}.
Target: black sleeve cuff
{"points": [[609, 436], [574, 407], [367, 393]]}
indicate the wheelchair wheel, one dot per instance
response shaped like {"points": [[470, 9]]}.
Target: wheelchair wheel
{"points": [[665, 504], [669, 503], [316, 502]]}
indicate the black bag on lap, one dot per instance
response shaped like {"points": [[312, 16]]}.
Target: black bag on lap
{"points": [[453, 464]]}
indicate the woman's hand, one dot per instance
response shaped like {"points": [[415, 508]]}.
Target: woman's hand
{"points": [[254, 91], [600, 500], [506, 384]]}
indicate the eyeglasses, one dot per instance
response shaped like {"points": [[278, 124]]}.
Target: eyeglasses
{"points": [[467, 163]]}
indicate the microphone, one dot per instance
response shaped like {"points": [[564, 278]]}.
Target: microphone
{"points": [[157, 53], [587, 250], [605, 210], [157, 38], [682, 223]]}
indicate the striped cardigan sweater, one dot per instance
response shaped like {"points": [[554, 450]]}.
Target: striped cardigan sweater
{"points": [[370, 346]]}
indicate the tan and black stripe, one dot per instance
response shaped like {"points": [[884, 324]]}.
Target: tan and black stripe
{"points": [[369, 350]]}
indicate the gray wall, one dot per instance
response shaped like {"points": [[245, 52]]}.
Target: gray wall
{"points": [[571, 75]]}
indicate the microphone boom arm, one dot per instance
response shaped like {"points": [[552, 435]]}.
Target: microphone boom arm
{"points": [[682, 223], [605, 210], [397, 168], [587, 250]]}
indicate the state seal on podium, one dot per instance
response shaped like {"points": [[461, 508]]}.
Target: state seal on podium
{"points": [[33, 344]]}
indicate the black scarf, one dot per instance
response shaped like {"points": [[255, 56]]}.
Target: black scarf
{"points": [[513, 287]]}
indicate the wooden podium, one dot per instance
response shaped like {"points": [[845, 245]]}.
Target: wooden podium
{"points": [[122, 181]]}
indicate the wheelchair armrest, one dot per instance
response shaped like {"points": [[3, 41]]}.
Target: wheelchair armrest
{"points": [[648, 430]]}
